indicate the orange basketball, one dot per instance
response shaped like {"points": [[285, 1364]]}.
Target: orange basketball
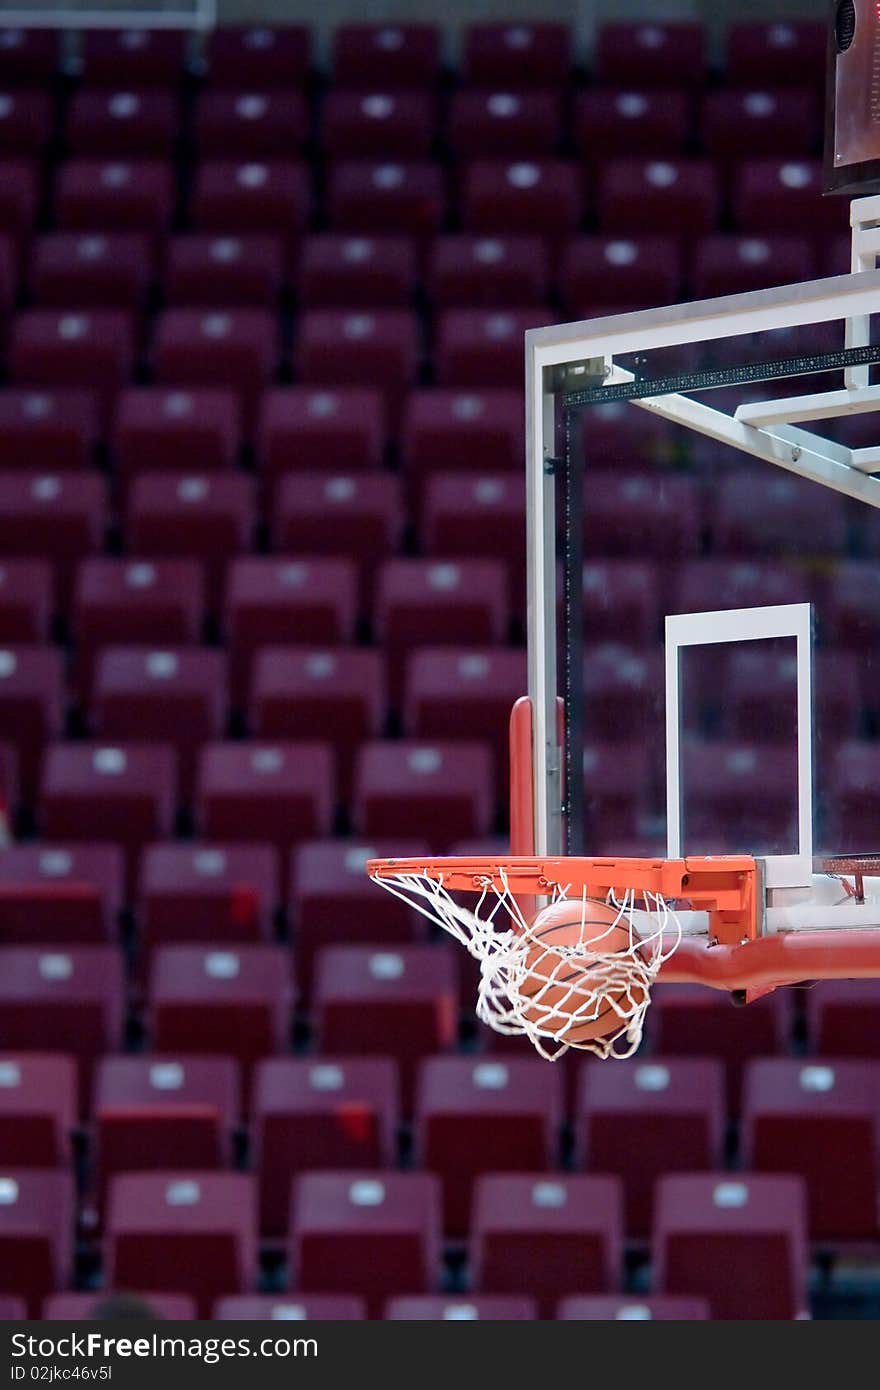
{"points": [[557, 979]]}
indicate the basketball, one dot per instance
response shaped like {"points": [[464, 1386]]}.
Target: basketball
{"points": [[559, 980]]}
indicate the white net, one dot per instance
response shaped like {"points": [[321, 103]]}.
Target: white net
{"points": [[559, 995]]}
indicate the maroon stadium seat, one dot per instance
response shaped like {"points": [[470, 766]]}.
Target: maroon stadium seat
{"points": [[479, 349], [346, 272], [435, 1308], [651, 54], [497, 123], [207, 892], [115, 195], [775, 122], [487, 271], [448, 689], [372, 1234], [26, 120], [70, 893], [312, 1113], [758, 513], [79, 1307], [600, 273], [38, 1109], [376, 124], [517, 55], [304, 427], [229, 270], [279, 793], [617, 786], [287, 1308], [595, 1308], [122, 124], [357, 514], [245, 124], [18, 198], [160, 428], [620, 690], [386, 197], [614, 433], [28, 55], [622, 522], [93, 349], [481, 514], [238, 196], [80, 270], [32, 707], [139, 56], [658, 1116], [477, 431], [774, 195], [539, 197], [197, 1230], [731, 265], [48, 430], [801, 1117], [621, 601], [757, 688], [853, 594], [12, 1309], [440, 792], [547, 1235], [26, 603], [376, 348], [740, 1240], [337, 695], [37, 1214], [672, 196], [715, 583], [476, 1115], [391, 55], [629, 122], [235, 349], [842, 1018], [778, 53], [259, 56]]}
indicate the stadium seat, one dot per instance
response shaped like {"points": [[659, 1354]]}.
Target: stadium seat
{"points": [[330, 513], [236, 196], [435, 1308], [57, 348], [357, 272], [142, 57], [157, 428], [539, 197], [37, 1214], [760, 693], [381, 350], [310, 427], [488, 272], [757, 513], [612, 434], [207, 892], [26, 122], [595, 1308], [774, 195], [621, 691], [235, 350], [279, 793], [440, 792], [18, 199], [454, 601], [517, 55], [48, 431], [714, 583], [334, 903], [546, 1236], [377, 124], [783, 123], [632, 123], [854, 809], [241, 271], [405, 198], [392, 55], [80, 1307], [478, 432], [618, 794], [732, 265], [799, 1117], [32, 707], [247, 124], [621, 521], [320, 1113], [740, 1240], [668, 195], [335, 695], [658, 1117], [12, 1309], [28, 56], [651, 54], [842, 1018], [494, 124], [480, 349], [272, 601], [119, 123], [448, 689], [88, 270], [286, 1308], [478, 1115], [70, 894], [197, 1230], [853, 591], [259, 57], [475, 513], [600, 273], [26, 602], [38, 1109], [621, 602], [376, 1235], [115, 196], [778, 53]]}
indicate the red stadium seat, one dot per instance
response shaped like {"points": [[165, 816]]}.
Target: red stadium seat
{"points": [[79, 1307], [280, 793], [479, 349], [530, 197], [774, 195], [271, 601], [12, 1309], [183, 431], [477, 431], [620, 520], [346, 272], [387, 198], [140, 56], [207, 892], [375, 1235], [247, 124], [740, 1240], [237, 197], [337, 695], [781, 123], [428, 1308], [440, 792], [48, 430], [448, 689], [93, 349], [475, 1116], [230, 1001], [595, 1308], [115, 196], [632, 123], [704, 585], [759, 514], [151, 1112], [236, 350], [556, 1235], [518, 55], [651, 54], [358, 514], [854, 811], [842, 1018], [600, 273], [52, 515], [313, 1113], [284, 1308], [759, 687], [122, 124], [18, 199], [617, 793], [32, 707], [37, 1214], [376, 348], [175, 695], [301, 427], [482, 514], [853, 591], [733, 784], [621, 600], [800, 1117], [26, 603], [28, 56], [489, 272], [71, 893], [397, 1001], [494, 124], [614, 434], [675, 197], [259, 57], [38, 1109], [333, 903], [620, 691], [391, 55], [245, 271], [778, 53], [659, 1116], [68, 1000], [79, 270], [731, 265], [376, 124], [26, 120], [197, 1230]]}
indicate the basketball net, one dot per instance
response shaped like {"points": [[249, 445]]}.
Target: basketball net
{"points": [[600, 983]]}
